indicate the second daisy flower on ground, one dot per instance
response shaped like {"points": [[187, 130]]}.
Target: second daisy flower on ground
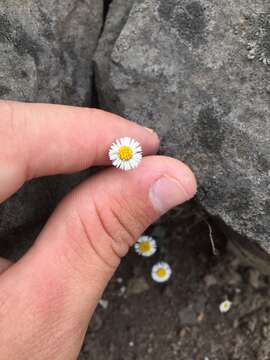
{"points": [[145, 246]]}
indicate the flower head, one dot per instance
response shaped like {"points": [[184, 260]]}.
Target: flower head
{"points": [[225, 306], [161, 272], [125, 153], [145, 246]]}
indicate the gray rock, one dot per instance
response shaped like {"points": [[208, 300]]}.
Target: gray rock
{"points": [[46, 56], [46, 49], [196, 72]]}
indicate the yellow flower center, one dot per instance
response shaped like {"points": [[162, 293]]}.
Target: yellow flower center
{"points": [[161, 273], [125, 153], [144, 246]]}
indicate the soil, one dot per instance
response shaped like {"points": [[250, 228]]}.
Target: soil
{"points": [[138, 319]]}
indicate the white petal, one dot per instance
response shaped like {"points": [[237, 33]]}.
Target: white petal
{"points": [[136, 144], [138, 149], [113, 157], [125, 141], [127, 165], [135, 164], [117, 163], [113, 153], [137, 157], [114, 146], [132, 164], [118, 143], [133, 143]]}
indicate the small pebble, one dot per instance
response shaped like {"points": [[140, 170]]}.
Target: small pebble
{"points": [[137, 286], [122, 290], [210, 280], [104, 303]]}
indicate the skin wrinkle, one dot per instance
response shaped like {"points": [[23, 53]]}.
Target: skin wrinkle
{"points": [[92, 242], [92, 115], [130, 231], [130, 236], [121, 227], [24, 130], [73, 247], [126, 236], [111, 238], [141, 220], [140, 216]]}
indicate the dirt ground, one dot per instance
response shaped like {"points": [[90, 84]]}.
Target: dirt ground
{"points": [[141, 320]]}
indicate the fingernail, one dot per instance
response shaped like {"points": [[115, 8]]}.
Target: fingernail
{"points": [[166, 193], [150, 130]]}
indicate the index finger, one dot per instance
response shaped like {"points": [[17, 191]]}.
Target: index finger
{"points": [[40, 139]]}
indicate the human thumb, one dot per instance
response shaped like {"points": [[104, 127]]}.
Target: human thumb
{"points": [[54, 289]]}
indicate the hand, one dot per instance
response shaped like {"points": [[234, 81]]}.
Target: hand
{"points": [[48, 297]]}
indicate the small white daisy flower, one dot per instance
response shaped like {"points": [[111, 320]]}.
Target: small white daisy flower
{"points": [[145, 246], [225, 306], [125, 153], [161, 272]]}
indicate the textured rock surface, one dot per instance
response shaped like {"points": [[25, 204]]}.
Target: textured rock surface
{"points": [[197, 72], [46, 49], [46, 56]]}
